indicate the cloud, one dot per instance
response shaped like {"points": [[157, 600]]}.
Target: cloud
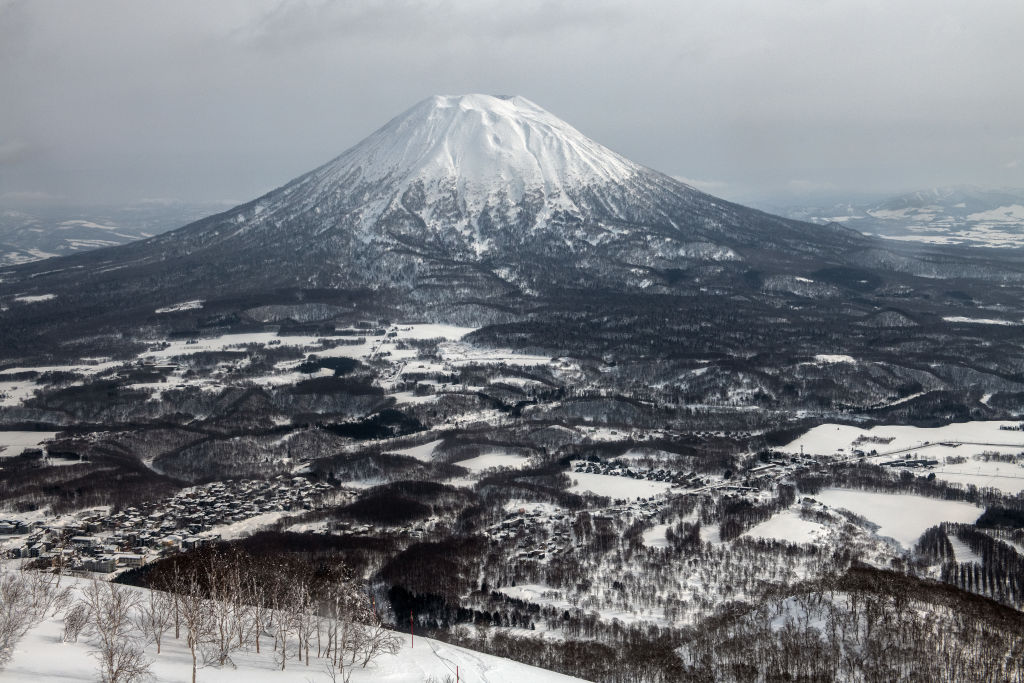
{"points": [[1012, 164]]}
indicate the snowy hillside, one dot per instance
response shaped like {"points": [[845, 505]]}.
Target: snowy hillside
{"points": [[44, 656]]}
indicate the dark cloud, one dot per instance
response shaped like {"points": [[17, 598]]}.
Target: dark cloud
{"points": [[115, 100]]}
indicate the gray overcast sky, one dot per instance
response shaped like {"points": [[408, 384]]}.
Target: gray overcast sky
{"points": [[113, 101]]}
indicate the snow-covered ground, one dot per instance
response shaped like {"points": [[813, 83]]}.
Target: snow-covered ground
{"points": [[833, 358], [247, 527], [187, 347], [532, 508], [493, 459], [457, 353], [34, 298], [15, 443], [423, 452], [655, 536], [788, 526], [1006, 477], [89, 366], [979, 321], [374, 344], [16, 393], [43, 656], [183, 306], [829, 439], [949, 445], [962, 552], [616, 487], [900, 517]]}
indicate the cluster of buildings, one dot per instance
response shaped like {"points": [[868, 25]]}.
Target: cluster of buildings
{"points": [[104, 542], [684, 479]]}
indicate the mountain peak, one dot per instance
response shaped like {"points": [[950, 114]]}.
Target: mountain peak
{"points": [[482, 142]]}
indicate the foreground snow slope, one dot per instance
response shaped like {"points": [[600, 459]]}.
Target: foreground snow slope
{"points": [[43, 656]]}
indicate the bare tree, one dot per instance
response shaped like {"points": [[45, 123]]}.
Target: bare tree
{"points": [[155, 616], [336, 673], [259, 609], [377, 640], [285, 618], [170, 582], [304, 618], [126, 663], [45, 593], [15, 614], [223, 583], [194, 615], [25, 600], [75, 619], [110, 608]]}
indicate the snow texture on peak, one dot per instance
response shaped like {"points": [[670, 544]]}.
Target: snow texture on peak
{"points": [[482, 142]]}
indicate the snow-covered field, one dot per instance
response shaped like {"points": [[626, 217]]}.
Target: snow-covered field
{"points": [[16, 393], [183, 306], [375, 345], [979, 321], [833, 358], [423, 452], [788, 526], [948, 445], [457, 354], [15, 443], [494, 459], [531, 507], [1006, 477], [95, 367], [934, 442], [34, 298], [655, 536], [247, 527], [900, 517], [186, 347], [43, 656], [616, 487]]}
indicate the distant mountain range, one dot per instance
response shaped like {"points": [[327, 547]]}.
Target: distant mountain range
{"points": [[32, 234], [954, 215]]}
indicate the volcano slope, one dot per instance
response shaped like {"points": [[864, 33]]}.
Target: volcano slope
{"points": [[492, 212]]}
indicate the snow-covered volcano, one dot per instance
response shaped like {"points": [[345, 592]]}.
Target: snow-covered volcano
{"points": [[471, 177], [477, 144], [458, 168], [471, 196]]}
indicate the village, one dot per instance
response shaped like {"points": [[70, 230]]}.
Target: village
{"points": [[616, 469], [102, 542]]}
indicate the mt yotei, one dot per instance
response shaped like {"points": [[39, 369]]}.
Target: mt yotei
{"points": [[477, 210], [476, 175], [472, 193]]}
